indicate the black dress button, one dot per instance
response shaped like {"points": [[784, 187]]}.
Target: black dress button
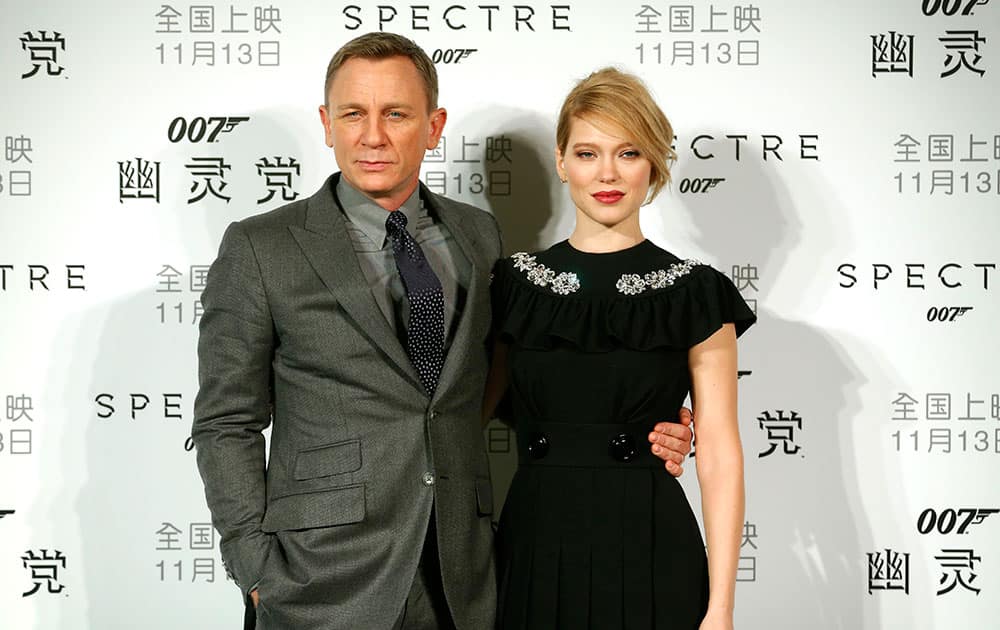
{"points": [[622, 447], [538, 445]]}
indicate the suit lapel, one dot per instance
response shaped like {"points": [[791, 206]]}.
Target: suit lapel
{"points": [[327, 246], [452, 217]]}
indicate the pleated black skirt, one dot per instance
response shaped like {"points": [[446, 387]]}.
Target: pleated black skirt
{"points": [[600, 548]]}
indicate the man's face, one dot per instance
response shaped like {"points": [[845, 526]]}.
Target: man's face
{"points": [[378, 126]]}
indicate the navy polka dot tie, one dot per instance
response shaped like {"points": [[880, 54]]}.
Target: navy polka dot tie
{"points": [[425, 336]]}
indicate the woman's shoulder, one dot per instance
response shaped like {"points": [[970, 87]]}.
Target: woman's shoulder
{"points": [[538, 270]]}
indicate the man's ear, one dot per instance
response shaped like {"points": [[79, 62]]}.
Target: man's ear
{"points": [[325, 118], [437, 119]]}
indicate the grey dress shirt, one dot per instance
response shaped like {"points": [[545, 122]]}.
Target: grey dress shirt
{"points": [[366, 228]]}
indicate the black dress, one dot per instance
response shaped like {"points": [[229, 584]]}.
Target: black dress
{"points": [[594, 532]]}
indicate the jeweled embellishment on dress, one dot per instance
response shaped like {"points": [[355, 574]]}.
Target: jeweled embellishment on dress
{"points": [[541, 275], [523, 261], [563, 283], [630, 284], [656, 279], [633, 284]]}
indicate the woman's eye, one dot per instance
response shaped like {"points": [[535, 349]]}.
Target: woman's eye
{"points": [[585, 154], [630, 154]]}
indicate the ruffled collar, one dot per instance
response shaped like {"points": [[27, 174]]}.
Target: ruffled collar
{"points": [[640, 298]]}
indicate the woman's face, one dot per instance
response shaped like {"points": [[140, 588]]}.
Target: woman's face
{"points": [[608, 177]]}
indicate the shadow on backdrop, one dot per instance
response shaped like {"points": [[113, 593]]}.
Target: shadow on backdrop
{"points": [[140, 481], [812, 530], [530, 217]]}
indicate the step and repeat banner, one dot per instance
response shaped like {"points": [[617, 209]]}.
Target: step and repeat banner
{"points": [[840, 160]]}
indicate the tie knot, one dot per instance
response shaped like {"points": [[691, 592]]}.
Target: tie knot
{"points": [[395, 222]]}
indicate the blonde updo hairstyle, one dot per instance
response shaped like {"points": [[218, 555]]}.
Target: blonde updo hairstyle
{"points": [[617, 100]]}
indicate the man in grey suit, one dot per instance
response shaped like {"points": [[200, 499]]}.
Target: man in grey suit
{"points": [[357, 321]]}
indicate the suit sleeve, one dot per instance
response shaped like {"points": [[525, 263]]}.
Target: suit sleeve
{"points": [[233, 405], [497, 235]]}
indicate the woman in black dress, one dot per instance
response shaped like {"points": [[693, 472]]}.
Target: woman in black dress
{"points": [[599, 337]]}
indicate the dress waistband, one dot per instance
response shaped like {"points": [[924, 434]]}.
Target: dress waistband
{"points": [[569, 444]]}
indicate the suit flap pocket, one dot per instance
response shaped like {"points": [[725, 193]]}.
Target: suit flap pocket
{"points": [[323, 508], [484, 496], [329, 459]]}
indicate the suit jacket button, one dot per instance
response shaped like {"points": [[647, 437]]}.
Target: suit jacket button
{"points": [[428, 479]]}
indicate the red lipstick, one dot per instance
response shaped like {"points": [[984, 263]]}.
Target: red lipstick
{"points": [[608, 196]]}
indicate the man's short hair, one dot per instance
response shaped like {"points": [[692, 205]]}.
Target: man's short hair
{"points": [[383, 46]]}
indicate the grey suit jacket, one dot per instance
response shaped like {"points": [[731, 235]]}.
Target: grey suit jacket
{"points": [[330, 531]]}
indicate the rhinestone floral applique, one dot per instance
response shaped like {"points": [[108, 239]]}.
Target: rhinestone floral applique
{"points": [[634, 284], [562, 283], [629, 284]]}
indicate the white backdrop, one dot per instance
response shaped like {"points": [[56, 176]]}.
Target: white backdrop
{"points": [[880, 424]]}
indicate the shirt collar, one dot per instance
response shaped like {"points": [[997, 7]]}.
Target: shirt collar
{"points": [[370, 217]]}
